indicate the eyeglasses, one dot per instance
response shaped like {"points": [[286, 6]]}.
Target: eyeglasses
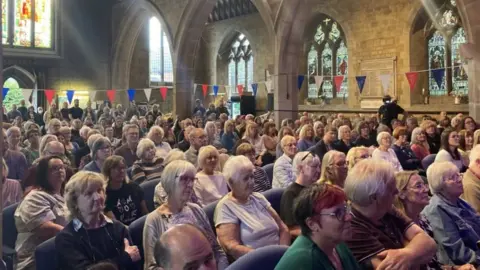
{"points": [[419, 186], [308, 154], [456, 178], [339, 213]]}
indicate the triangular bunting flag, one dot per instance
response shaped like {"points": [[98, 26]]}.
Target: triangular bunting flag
{"points": [[338, 82], [254, 89], [111, 95], [163, 92], [5, 92], [131, 94], [240, 89], [70, 94], [49, 94], [412, 78], [300, 81], [269, 86], [438, 75], [318, 81], [148, 93], [215, 90], [204, 89], [361, 82], [27, 93], [465, 67], [92, 95], [385, 79]]}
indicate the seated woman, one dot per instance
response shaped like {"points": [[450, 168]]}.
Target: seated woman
{"points": [[91, 237], [157, 135], [213, 137], [306, 138], [11, 189], [450, 141], [356, 154], [344, 142], [244, 219], [210, 184], [455, 224], [364, 138], [260, 177], [334, 168], [229, 137], [149, 167], [324, 217], [40, 216], [177, 180], [405, 155], [125, 201], [419, 144], [384, 152], [466, 144], [101, 150], [88, 158]]}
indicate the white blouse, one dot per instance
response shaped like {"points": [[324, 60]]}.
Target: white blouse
{"points": [[209, 188], [389, 156]]}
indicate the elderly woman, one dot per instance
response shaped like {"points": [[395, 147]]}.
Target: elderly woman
{"points": [[465, 144], [319, 129], [229, 136], [11, 189], [334, 168], [355, 154], [177, 180], [32, 151], [284, 131], [54, 126], [324, 216], [149, 167], [212, 135], [419, 144], [283, 174], [433, 137], [455, 224], [91, 237], [404, 153], [40, 216], [306, 138], [109, 133], [70, 146], [381, 236], [244, 219], [260, 177], [384, 152], [449, 152], [253, 137], [101, 150], [344, 143], [125, 201], [162, 148], [364, 137], [210, 184]]}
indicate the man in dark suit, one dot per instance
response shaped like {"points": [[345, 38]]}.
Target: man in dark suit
{"points": [[325, 144]]}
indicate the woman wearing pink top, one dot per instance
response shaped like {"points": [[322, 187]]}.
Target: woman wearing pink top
{"points": [[419, 143]]}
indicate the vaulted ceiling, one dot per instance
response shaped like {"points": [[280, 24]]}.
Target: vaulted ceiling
{"points": [[227, 9]]}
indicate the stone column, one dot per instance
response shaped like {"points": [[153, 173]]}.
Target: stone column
{"points": [[285, 97], [472, 54]]}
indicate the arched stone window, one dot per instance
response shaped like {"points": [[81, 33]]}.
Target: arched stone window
{"points": [[240, 64], [161, 67], [14, 95]]}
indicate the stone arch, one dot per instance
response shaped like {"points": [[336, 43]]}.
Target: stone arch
{"points": [[24, 78]]}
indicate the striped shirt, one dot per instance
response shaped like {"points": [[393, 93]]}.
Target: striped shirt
{"points": [[143, 171], [262, 183]]}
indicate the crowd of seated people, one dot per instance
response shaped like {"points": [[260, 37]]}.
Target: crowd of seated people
{"points": [[355, 194]]}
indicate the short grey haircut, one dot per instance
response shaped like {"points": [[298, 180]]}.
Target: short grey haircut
{"points": [[84, 131], [143, 145], [98, 144], [367, 178], [158, 129], [44, 141], [175, 154], [284, 140], [172, 172], [302, 159], [205, 152], [341, 130], [474, 155], [12, 129], [437, 173], [235, 169], [382, 135], [76, 186], [92, 140]]}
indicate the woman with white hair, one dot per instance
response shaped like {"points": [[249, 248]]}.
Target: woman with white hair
{"points": [[91, 237], [101, 150], [253, 137], [306, 138], [156, 134], [334, 168], [385, 152], [344, 142], [54, 126], [212, 135], [319, 129], [419, 144], [210, 184], [355, 154], [455, 224], [244, 219], [177, 180], [149, 167]]}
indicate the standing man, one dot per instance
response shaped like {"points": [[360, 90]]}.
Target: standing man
{"points": [[23, 110], [389, 111], [76, 112]]}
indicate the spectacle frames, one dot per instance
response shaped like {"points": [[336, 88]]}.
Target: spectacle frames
{"points": [[339, 213]]}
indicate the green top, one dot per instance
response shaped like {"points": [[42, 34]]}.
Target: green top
{"points": [[304, 254]]}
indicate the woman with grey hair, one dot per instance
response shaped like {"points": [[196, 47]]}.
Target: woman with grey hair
{"points": [[244, 219], [419, 144], [91, 237], [455, 224], [156, 134], [177, 180], [101, 150], [385, 152], [149, 167], [344, 142], [334, 168]]}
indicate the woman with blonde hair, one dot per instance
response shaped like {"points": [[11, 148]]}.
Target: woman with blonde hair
{"points": [[253, 137], [229, 136], [476, 137], [210, 184], [355, 154], [419, 144], [319, 130], [306, 138], [334, 168], [212, 135]]}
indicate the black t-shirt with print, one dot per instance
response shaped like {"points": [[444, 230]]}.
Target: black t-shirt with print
{"points": [[125, 203]]}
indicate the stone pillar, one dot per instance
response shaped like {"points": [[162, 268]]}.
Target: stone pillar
{"points": [[473, 67], [285, 98]]}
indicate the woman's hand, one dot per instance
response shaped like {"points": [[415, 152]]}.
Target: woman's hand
{"points": [[465, 267], [395, 259], [132, 251]]}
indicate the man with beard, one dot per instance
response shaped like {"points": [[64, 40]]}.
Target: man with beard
{"points": [[129, 150]]}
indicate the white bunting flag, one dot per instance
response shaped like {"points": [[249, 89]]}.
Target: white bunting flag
{"points": [[268, 85], [27, 93], [385, 79], [194, 88], [465, 67], [318, 82], [148, 93], [92, 95]]}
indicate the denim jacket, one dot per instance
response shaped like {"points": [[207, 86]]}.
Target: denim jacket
{"points": [[456, 229]]}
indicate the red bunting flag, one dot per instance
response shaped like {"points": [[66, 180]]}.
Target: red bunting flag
{"points": [[240, 89], [49, 94], [163, 92], [412, 78], [204, 89], [338, 82], [111, 95]]}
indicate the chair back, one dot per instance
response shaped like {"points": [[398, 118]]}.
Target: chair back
{"points": [[264, 258], [428, 160], [274, 196], [148, 193], [46, 255], [269, 170], [210, 211], [136, 233], [9, 232]]}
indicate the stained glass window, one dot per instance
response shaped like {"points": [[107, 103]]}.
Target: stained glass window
{"points": [[4, 21], [327, 63], [342, 67], [231, 73], [436, 55], [23, 23], [334, 33], [43, 23], [459, 76], [320, 35], [167, 60], [250, 73], [160, 58], [241, 64], [312, 71], [241, 72]]}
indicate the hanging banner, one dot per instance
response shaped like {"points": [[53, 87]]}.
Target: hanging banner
{"points": [[385, 79], [131, 94], [70, 94], [204, 89], [361, 82], [215, 90], [49, 94], [5, 92], [438, 75], [254, 89], [412, 78], [338, 82], [148, 93], [318, 81], [465, 67], [92, 95], [27, 93], [163, 92], [300, 81], [111, 95], [269, 86], [240, 89]]}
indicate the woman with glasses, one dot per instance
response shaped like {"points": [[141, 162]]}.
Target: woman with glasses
{"points": [[125, 201], [356, 154], [419, 144], [245, 220], [455, 224], [334, 168], [261, 181], [149, 167], [210, 184], [450, 141], [324, 217], [101, 150], [178, 180]]}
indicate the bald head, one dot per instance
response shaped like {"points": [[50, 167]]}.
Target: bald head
{"points": [[54, 148], [184, 245]]}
